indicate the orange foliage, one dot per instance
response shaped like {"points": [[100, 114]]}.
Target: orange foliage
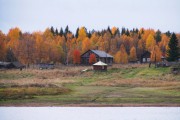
{"points": [[86, 45], [117, 57], [94, 39], [121, 56], [14, 36], [133, 56], [2, 46], [127, 41], [76, 57], [156, 54], [92, 58], [147, 33], [163, 43], [44, 46], [113, 30]]}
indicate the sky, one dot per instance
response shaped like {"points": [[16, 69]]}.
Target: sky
{"points": [[37, 15]]}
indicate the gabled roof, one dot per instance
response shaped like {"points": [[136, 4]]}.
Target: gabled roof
{"points": [[146, 53], [17, 64], [101, 53], [4, 63], [100, 64]]}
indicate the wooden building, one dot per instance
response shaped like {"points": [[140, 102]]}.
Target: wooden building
{"points": [[100, 66], [145, 57], [10, 65], [100, 56]]}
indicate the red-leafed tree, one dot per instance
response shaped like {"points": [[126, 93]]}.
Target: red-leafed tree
{"points": [[76, 57], [92, 58]]}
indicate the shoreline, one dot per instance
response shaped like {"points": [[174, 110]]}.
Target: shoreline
{"points": [[89, 105]]}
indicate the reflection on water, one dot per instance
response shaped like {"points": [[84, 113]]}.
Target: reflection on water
{"points": [[89, 113]]}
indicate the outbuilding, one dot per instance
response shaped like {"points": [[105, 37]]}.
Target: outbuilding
{"points": [[100, 56], [100, 66], [145, 57], [10, 65]]}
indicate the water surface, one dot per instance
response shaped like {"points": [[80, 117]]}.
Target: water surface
{"points": [[89, 113]]}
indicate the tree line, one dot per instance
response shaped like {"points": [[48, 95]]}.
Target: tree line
{"points": [[63, 46]]}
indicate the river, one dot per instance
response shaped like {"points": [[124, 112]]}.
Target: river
{"points": [[89, 113]]}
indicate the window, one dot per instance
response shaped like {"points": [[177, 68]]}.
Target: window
{"points": [[144, 59], [148, 59]]}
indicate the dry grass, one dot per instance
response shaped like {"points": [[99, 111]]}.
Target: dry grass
{"points": [[130, 83], [24, 92], [124, 66], [34, 76], [136, 83]]}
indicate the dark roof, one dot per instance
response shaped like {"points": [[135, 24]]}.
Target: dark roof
{"points": [[18, 64], [101, 53], [12, 64], [146, 53], [5, 63]]}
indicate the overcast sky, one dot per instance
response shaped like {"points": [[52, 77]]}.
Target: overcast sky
{"points": [[34, 15]]}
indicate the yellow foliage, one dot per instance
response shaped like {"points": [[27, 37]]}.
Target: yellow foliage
{"points": [[94, 39], [117, 57], [147, 33], [82, 34], [133, 56], [150, 42], [2, 46], [48, 34], [156, 54], [113, 30], [140, 44], [86, 45], [14, 35], [121, 56]]}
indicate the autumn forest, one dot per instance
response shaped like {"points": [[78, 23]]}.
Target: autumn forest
{"points": [[63, 46]]}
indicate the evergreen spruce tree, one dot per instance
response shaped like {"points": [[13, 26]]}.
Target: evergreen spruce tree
{"points": [[117, 32], [77, 30], [89, 34], [158, 36], [173, 52], [127, 32], [56, 32], [66, 30], [109, 30], [137, 31], [52, 30], [123, 31], [61, 32], [168, 33]]}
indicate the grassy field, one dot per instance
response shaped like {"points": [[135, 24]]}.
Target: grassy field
{"points": [[121, 85]]}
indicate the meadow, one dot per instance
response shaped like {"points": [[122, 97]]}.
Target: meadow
{"points": [[121, 85]]}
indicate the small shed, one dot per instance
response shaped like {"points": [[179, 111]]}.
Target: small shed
{"points": [[46, 66], [100, 66], [10, 65], [145, 57], [18, 65], [5, 65]]}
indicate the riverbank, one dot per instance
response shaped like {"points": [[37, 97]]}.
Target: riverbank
{"points": [[121, 86]]}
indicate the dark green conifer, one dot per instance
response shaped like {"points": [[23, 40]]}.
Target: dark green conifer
{"points": [[173, 52]]}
